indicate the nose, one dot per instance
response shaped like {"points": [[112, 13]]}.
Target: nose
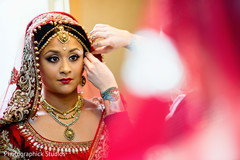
{"points": [[65, 67]]}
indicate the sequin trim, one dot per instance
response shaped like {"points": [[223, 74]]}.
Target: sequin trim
{"points": [[41, 144]]}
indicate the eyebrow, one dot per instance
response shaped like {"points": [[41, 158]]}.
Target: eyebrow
{"points": [[54, 51], [74, 49]]}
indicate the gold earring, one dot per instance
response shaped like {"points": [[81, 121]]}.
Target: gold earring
{"points": [[83, 81]]}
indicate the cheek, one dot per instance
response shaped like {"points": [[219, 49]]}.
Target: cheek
{"points": [[78, 70], [47, 73], [79, 66]]}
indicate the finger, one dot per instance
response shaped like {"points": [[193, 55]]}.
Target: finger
{"points": [[99, 27], [87, 73], [97, 35], [87, 63], [98, 30], [91, 58], [102, 43], [102, 50], [85, 68]]}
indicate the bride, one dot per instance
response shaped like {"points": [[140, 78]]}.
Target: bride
{"points": [[46, 117]]}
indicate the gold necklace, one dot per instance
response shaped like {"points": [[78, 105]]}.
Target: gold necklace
{"points": [[64, 116], [54, 110], [63, 113], [68, 133]]}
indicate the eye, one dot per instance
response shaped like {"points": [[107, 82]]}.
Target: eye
{"points": [[52, 59], [74, 57]]}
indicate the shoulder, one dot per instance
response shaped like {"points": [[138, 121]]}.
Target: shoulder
{"points": [[94, 105], [11, 131], [13, 127]]}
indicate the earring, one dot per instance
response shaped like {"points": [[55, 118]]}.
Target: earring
{"points": [[83, 81]]}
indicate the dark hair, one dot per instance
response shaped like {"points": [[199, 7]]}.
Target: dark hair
{"points": [[42, 34]]}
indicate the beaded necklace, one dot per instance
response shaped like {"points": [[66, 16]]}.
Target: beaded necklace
{"points": [[68, 133]]}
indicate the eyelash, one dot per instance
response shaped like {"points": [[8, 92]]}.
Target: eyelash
{"points": [[54, 59], [74, 57]]}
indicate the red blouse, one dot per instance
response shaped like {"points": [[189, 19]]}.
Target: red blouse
{"points": [[20, 140]]}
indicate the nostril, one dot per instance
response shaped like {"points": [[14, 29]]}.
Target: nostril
{"points": [[65, 67]]}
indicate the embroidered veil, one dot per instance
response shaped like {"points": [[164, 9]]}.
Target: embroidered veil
{"points": [[24, 101]]}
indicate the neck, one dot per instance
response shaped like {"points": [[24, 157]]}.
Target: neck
{"points": [[61, 102]]}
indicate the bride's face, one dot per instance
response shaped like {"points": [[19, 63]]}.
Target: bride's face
{"points": [[60, 67]]}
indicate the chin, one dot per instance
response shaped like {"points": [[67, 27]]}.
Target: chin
{"points": [[67, 91], [62, 90]]}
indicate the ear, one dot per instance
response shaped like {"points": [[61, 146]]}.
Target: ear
{"points": [[83, 71]]}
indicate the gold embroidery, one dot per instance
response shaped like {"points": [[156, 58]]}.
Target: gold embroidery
{"points": [[42, 144], [26, 98], [6, 148]]}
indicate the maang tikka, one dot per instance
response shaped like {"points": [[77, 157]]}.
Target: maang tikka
{"points": [[63, 36]]}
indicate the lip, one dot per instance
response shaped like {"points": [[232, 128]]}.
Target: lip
{"points": [[65, 80]]}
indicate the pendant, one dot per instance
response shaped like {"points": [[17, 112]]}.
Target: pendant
{"points": [[69, 134]]}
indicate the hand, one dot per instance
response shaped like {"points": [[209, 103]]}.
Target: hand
{"points": [[113, 38], [98, 73]]}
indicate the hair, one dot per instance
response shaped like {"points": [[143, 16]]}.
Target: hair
{"points": [[43, 36], [47, 30]]}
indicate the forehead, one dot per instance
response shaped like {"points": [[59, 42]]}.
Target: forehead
{"points": [[56, 44]]}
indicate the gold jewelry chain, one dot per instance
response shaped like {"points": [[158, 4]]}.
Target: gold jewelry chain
{"points": [[44, 102], [68, 133], [63, 117], [50, 109], [54, 35]]}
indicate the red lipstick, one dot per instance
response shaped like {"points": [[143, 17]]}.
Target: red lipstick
{"points": [[65, 80]]}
